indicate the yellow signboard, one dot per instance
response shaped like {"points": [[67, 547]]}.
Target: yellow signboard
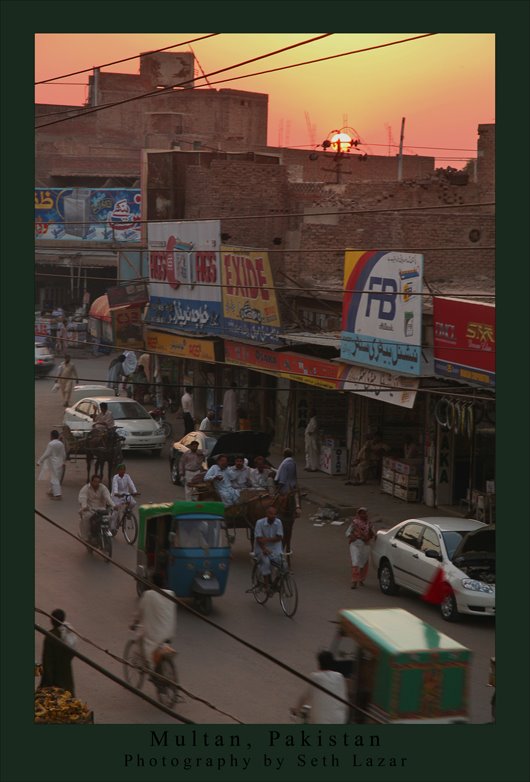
{"points": [[182, 347], [250, 308]]}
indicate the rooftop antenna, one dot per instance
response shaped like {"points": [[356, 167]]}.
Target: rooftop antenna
{"points": [[200, 67], [311, 130]]}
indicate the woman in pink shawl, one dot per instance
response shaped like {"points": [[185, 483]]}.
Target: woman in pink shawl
{"points": [[359, 535]]}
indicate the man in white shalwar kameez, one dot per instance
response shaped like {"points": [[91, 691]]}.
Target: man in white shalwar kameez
{"points": [[158, 619], [229, 419], [312, 444], [52, 461]]}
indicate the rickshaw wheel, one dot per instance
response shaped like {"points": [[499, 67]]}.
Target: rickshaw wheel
{"points": [[203, 604]]}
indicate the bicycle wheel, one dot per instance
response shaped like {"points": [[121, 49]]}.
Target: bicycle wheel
{"points": [[258, 586], [167, 691], [130, 526], [288, 595], [134, 663], [105, 544]]}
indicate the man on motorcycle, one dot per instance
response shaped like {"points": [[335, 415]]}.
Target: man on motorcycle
{"points": [[92, 497]]}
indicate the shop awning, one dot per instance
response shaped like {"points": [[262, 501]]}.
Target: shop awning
{"points": [[99, 309], [330, 339]]}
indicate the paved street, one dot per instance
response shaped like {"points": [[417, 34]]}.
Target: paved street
{"points": [[99, 599]]}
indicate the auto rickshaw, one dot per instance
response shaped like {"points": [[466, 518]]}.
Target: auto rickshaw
{"points": [[186, 541], [399, 669]]}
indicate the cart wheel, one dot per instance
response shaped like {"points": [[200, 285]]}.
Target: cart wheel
{"points": [[203, 604]]}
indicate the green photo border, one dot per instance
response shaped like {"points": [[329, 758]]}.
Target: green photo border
{"points": [[438, 753]]}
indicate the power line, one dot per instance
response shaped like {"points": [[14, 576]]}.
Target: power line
{"points": [[223, 630], [151, 672], [126, 59], [244, 76], [283, 213], [164, 90]]}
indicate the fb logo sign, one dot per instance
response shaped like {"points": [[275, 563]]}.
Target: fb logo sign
{"points": [[385, 297]]}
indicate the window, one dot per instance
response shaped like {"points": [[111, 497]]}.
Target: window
{"points": [[84, 408], [430, 541], [410, 534]]}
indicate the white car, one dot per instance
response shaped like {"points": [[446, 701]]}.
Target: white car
{"points": [[90, 391], [44, 362], [409, 555], [133, 422]]}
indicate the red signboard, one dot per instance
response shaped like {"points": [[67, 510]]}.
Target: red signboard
{"points": [[305, 369], [464, 341]]}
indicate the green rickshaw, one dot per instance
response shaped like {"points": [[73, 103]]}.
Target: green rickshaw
{"points": [[400, 669], [187, 543]]}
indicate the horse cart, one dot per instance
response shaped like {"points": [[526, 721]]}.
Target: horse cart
{"points": [[97, 445]]}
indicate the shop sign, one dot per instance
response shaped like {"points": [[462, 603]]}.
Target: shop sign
{"points": [[127, 294], [128, 327], [250, 308], [182, 347], [382, 310], [185, 277], [88, 214], [464, 341], [294, 366], [375, 384]]}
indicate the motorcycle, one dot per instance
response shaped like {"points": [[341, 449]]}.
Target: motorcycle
{"points": [[158, 414], [100, 534]]}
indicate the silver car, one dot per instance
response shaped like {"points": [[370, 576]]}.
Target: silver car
{"points": [[133, 422], [411, 553]]}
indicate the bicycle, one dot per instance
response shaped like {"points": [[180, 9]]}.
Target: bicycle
{"points": [[127, 520], [283, 584], [164, 676]]}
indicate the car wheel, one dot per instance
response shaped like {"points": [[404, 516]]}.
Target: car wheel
{"points": [[174, 470], [448, 608], [387, 584]]}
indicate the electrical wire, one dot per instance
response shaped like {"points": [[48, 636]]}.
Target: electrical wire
{"points": [[165, 90], [127, 59], [124, 662], [283, 288], [203, 618], [109, 675]]}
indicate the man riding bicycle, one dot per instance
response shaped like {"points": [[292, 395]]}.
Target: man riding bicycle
{"points": [[158, 619], [94, 496], [123, 490], [268, 544]]}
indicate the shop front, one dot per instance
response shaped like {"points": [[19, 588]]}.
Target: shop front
{"points": [[181, 361]]}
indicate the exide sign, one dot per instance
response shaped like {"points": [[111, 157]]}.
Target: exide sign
{"points": [[245, 277]]}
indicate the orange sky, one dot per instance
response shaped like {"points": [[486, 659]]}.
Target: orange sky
{"points": [[443, 85]]}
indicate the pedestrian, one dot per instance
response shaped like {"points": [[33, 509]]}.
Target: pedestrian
{"points": [[61, 338], [312, 443], [229, 419], [157, 617], [145, 362], [286, 475], [140, 385], [52, 461], [56, 657], [187, 410], [115, 373], [207, 424], [66, 379], [324, 708], [219, 477], [359, 535], [190, 465]]}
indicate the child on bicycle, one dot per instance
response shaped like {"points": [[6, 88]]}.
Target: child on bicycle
{"points": [[268, 544], [122, 485]]}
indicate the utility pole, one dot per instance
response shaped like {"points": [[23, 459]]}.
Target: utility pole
{"points": [[400, 156], [95, 87]]}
